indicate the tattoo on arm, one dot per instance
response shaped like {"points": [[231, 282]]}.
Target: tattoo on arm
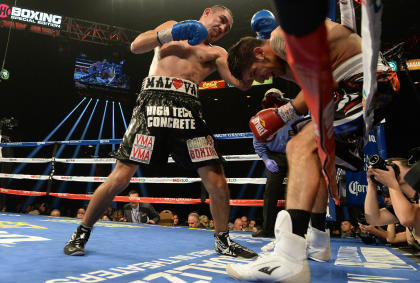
{"points": [[278, 43]]}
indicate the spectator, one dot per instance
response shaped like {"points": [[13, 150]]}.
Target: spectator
{"points": [[80, 213], [176, 220], [347, 229], [211, 224], [194, 220], [39, 208], [55, 212], [140, 212], [245, 223], [109, 212], [105, 217], [404, 208], [118, 216], [252, 226], [237, 225], [204, 220]]}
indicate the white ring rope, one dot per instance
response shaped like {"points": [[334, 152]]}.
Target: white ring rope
{"points": [[152, 180], [243, 157]]}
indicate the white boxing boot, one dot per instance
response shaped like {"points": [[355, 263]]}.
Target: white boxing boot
{"points": [[318, 244], [288, 262]]}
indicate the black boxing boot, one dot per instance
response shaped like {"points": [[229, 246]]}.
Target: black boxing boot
{"points": [[77, 242], [225, 246]]}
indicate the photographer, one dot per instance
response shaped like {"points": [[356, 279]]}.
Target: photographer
{"points": [[405, 208]]}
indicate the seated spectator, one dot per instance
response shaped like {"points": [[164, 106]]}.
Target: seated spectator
{"points": [[118, 216], [194, 220], [237, 225], [204, 220], [211, 224], [252, 226], [39, 208], [105, 217], [109, 212], [244, 220], [176, 220], [80, 213], [29, 208], [166, 218], [55, 212], [140, 212], [347, 229]]}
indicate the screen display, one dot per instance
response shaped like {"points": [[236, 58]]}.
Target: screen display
{"points": [[100, 74]]}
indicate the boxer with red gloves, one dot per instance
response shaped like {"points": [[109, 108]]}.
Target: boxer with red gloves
{"points": [[257, 59]]}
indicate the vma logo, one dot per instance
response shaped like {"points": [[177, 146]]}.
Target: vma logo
{"points": [[5, 11]]}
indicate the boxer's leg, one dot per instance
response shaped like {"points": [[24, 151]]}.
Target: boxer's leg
{"points": [[116, 182], [288, 262], [317, 238], [214, 181]]}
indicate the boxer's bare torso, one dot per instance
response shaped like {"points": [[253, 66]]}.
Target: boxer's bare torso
{"points": [[179, 59], [343, 43]]}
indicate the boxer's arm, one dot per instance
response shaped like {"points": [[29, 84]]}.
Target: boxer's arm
{"points": [[223, 69], [147, 41]]}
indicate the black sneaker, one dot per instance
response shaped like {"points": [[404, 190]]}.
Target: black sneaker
{"points": [[225, 246], [76, 245]]}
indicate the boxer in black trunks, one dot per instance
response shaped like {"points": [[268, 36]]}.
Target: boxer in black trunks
{"points": [[168, 119]]}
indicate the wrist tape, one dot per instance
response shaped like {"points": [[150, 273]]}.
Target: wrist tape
{"points": [[287, 112], [164, 36]]}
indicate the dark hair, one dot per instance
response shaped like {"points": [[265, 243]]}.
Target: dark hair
{"points": [[241, 55], [133, 192]]}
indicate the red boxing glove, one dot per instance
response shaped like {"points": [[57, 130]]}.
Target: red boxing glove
{"points": [[265, 124]]}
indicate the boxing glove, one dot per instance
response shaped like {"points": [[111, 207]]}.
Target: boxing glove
{"points": [[193, 31], [263, 23], [266, 123]]}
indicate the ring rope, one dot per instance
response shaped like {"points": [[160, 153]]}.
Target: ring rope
{"points": [[145, 180], [243, 157], [228, 136], [232, 202]]}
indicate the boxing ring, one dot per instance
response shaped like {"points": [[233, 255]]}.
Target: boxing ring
{"points": [[31, 250], [31, 246]]}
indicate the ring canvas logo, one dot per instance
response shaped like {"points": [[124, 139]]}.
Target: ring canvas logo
{"points": [[30, 16]]}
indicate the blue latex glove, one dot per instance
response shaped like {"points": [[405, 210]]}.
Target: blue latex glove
{"points": [[271, 165]]}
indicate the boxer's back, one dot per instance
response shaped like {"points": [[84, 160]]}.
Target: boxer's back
{"points": [[343, 43]]}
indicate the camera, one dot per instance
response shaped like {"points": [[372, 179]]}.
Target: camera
{"points": [[378, 163]]}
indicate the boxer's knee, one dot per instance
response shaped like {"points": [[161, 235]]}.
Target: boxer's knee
{"points": [[120, 177], [302, 145]]}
